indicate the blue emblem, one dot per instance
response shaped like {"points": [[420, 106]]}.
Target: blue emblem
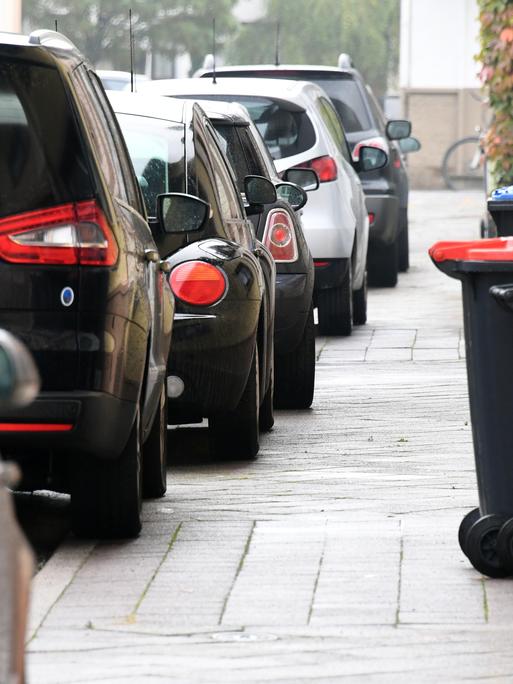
{"points": [[67, 296]]}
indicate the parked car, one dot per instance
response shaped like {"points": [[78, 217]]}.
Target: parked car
{"points": [[278, 226], [301, 129], [120, 80], [386, 188], [19, 384], [221, 363], [83, 287]]}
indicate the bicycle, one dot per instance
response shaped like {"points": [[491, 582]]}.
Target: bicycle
{"points": [[464, 165]]}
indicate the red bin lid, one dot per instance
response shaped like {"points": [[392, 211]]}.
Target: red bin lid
{"points": [[491, 249]]}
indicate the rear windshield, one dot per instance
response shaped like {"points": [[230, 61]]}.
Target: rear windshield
{"points": [[156, 148], [285, 132], [342, 89], [42, 163]]}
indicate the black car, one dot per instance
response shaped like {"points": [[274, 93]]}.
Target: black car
{"points": [[83, 287], [279, 227], [386, 189], [221, 364]]}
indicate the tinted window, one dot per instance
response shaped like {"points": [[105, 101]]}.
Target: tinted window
{"points": [[156, 148], [42, 163], [232, 147], [332, 123], [286, 132]]}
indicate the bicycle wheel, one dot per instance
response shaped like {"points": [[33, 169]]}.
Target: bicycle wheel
{"points": [[462, 167]]}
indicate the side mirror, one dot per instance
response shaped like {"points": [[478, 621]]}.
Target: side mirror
{"points": [[370, 159], [293, 194], [398, 129], [19, 378], [180, 213], [409, 144], [307, 179], [259, 190]]}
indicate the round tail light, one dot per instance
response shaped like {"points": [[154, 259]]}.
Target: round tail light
{"points": [[198, 283]]}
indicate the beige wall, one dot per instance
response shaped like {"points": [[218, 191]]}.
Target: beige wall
{"points": [[439, 118]]}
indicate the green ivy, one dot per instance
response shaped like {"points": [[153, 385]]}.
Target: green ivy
{"points": [[496, 56]]}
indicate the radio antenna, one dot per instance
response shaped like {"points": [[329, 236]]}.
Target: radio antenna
{"points": [[131, 34], [214, 80], [56, 26], [277, 47]]}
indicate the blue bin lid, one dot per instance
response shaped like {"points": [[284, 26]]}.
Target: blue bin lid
{"points": [[504, 193]]}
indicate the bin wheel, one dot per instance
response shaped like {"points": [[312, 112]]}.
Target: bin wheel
{"points": [[465, 525], [481, 543], [505, 545]]}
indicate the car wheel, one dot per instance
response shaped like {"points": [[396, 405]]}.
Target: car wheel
{"points": [[335, 307], [360, 303], [403, 246], [266, 419], [382, 267], [106, 494], [235, 434], [295, 372], [154, 453]]}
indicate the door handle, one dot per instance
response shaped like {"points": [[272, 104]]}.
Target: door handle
{"points": [[151, 255], [165, 266]]}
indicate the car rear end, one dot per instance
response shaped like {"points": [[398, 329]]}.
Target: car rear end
{"points": [[58, 253]]}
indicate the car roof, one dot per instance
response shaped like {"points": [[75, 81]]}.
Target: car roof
{"points": [[275, 67], [295, 93], [231, 112], [42, 43], [150, 106]]}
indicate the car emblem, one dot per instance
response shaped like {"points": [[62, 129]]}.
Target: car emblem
{"points": [[67, 296]]}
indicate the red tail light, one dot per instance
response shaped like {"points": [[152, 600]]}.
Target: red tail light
{"points": [[197, 282], [321, 264], [67, 234], [378, 142], [35, 427], [372, 218], [326, 168], [279, 236]]}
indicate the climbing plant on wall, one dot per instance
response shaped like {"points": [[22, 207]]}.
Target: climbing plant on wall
{"points": [[496, 57]]}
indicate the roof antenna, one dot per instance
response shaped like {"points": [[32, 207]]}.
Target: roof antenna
{"points": [[56, 26], [214, 80], [132, 80], [277, 50]]}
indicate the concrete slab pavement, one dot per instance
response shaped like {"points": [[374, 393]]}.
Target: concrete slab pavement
{"points": [[334, 556]]}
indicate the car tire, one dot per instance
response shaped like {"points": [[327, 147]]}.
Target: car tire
{"points": [[106, 494], [360, 303], [266, 419], [154, 453], [383, 266], [335, 307], [235, 434], [295, 372], [403, 242]]}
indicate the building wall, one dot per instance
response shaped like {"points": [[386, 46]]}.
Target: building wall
{"points": [[10, 15], [438, 78]]}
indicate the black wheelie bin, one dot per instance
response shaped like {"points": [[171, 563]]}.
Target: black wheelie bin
{"points": [[500, 207], [485, 269]]}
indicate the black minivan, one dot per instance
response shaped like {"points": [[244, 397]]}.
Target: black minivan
{"points": [[83, 286]]}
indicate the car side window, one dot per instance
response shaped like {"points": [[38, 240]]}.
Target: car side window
{"points": [[99, 134], [231, 146], [333, 124], [225, 182], [130, 182], [255, 162]]}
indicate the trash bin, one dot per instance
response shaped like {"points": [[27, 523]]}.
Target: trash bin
{"points": [[485, 269], [500, 207]]}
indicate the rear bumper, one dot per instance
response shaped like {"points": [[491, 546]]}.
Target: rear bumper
{"points": [[92, 423], [383, 231], [212, 354], [293, 297]]}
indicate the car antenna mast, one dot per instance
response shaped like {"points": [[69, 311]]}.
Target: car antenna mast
{"points": [[56, 26], [277, 46], [214, 80], [131, 34]]}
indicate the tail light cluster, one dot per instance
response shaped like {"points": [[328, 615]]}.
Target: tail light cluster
{"points": [[280, 237], [325, 166], [198, 283], [378, 142], [68, 234]]}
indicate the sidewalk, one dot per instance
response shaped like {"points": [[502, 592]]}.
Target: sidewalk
{"points": [[333, 557]]}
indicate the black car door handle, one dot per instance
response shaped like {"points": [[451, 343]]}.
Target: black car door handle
{"points": [[503, 294], [151, 255]]}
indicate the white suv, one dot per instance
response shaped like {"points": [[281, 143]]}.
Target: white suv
{"points": [[301, 129]]}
